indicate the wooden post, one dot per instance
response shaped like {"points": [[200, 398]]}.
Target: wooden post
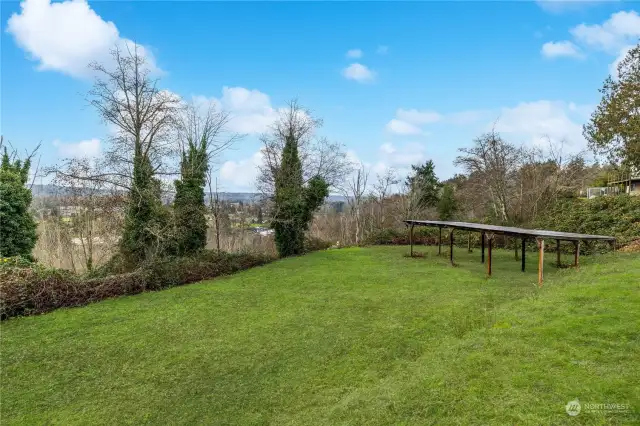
{"points": [[482, 237], [524, 242], [490, 239], [469, 243], [411, 240], [540, 261], [515, 248], [576, 255], [451, 246], [440, 241], [558, 264]]}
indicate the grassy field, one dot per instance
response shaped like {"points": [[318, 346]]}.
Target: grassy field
{"points": [[351, 336]]}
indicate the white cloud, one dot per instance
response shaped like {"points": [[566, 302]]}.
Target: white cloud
{"points": [[621, 29], [67, 36], [403, 156], [555, 49], [531, 122], [354, 53], [250, 110], [615, 37], [412, 121], [359, 73], [414, 116], [87, 148], [400, 127], [240, 175], [382, 50]]}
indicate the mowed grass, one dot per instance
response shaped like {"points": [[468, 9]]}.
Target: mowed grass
{"points": [[352, 336]]}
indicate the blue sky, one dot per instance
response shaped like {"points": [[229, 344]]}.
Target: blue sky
{"points": [[396, 83]]}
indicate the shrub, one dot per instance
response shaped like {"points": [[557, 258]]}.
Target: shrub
{"points": [[315, 244], [393, 236], [617, 216], [33, 289]]}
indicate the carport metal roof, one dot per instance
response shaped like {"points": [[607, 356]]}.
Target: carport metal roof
{"points": [[511, 231]]}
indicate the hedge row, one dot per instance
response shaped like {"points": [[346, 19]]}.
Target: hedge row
{"points": [[32, 289], [617, 216]]}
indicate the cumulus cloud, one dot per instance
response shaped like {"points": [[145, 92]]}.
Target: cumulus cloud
{"points": [[67, 36], [88, 148], [531, 122], [412, 121], [615, 36], [354, 53], [555, 49], [620, 30], [359, 73], [250, 110], [400, 127], [241, 175]]}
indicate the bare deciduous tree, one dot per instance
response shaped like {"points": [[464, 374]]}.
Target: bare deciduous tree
{"points": [[496, 161], [354, 190], [381, 190], [318, 156]]}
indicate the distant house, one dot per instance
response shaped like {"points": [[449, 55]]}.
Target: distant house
{"points": [[618, 183]]}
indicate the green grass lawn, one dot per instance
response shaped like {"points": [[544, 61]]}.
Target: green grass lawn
{"points": [[351, 336]]}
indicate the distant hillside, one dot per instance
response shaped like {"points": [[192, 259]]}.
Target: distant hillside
{"points": [[233, 197]]}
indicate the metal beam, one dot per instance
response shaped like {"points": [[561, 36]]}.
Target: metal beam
{"points": [[482, 238], [558, 263], [440, 241], [576, 255]]}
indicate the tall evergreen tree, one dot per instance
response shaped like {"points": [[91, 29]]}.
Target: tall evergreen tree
{"points": [[294, 202], [17, 226], [447, 205], [145, 214], [189, 208], [424, 185]]}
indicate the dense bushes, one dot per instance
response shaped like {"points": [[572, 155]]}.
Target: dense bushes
{"points": [[393, 236], [617, 216], [27, 288]]}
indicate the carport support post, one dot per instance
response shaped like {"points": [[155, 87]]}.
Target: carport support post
{"points": [[469, 243], [524, 242], [490, 238], [411, 240], [557, 253], [576, 255], [540, 261], [440, 241], [451, 246], [482, 236]]}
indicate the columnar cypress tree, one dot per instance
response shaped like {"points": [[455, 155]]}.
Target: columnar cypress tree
{"points": [[144, 212], [189, 208], [17, 227], [294, 203]]}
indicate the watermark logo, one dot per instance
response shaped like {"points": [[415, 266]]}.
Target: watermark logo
{"points": [[573, 407]]}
